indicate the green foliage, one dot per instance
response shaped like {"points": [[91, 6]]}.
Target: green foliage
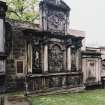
{"points": [[92, 97], [24, 10]]}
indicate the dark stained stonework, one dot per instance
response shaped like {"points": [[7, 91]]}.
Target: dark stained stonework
{"points": [[53, 81], [55, 16], [37, 55], [56, 59]]}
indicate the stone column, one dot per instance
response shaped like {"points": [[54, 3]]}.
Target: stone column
{"points": [[29, 57], [69, 58], [45, 58], [78, 59], [3, 9], [1, 36]]}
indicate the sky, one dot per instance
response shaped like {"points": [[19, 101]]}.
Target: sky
{"points": [[89, 16]]}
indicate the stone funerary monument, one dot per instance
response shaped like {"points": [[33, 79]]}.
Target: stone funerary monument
{"points": [[45, 57]]}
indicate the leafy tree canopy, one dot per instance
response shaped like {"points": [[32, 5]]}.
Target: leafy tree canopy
{"points": [[24, 10]]}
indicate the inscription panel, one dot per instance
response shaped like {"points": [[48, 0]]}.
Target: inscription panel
{"points": [[55, 59]]}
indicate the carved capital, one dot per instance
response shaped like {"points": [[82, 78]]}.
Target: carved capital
{"points": [[45, 40], [68, 42]]}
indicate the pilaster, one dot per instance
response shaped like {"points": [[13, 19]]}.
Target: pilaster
{"points": [[69, 58], [45, 58]]}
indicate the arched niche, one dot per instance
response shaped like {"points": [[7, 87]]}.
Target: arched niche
{"points": [[55, 58], [36, 59]]}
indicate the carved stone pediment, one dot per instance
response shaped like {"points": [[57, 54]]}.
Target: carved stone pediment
{"points": [[55, 16]]}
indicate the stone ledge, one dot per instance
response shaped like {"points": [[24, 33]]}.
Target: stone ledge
{"points": [[54, 74], [58, 91]]}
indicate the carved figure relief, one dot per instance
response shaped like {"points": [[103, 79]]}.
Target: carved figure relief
{"points": [[55, 59], [36, 59]]}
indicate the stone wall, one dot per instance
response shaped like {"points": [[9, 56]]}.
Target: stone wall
{"points": [[15, 80], [53, 82]]}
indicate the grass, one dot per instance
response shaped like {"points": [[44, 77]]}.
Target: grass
{"points": [[90, 97]]}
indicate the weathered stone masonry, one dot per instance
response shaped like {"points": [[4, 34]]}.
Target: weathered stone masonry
{"points": [[44, 56]]}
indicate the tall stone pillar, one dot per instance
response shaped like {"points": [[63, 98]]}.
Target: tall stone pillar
{"points": [[29, 58], [45, 58], [78, 59], [3, 9], [69, 58]]}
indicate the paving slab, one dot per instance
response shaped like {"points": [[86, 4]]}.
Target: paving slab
{"points": [[15, 100]]}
